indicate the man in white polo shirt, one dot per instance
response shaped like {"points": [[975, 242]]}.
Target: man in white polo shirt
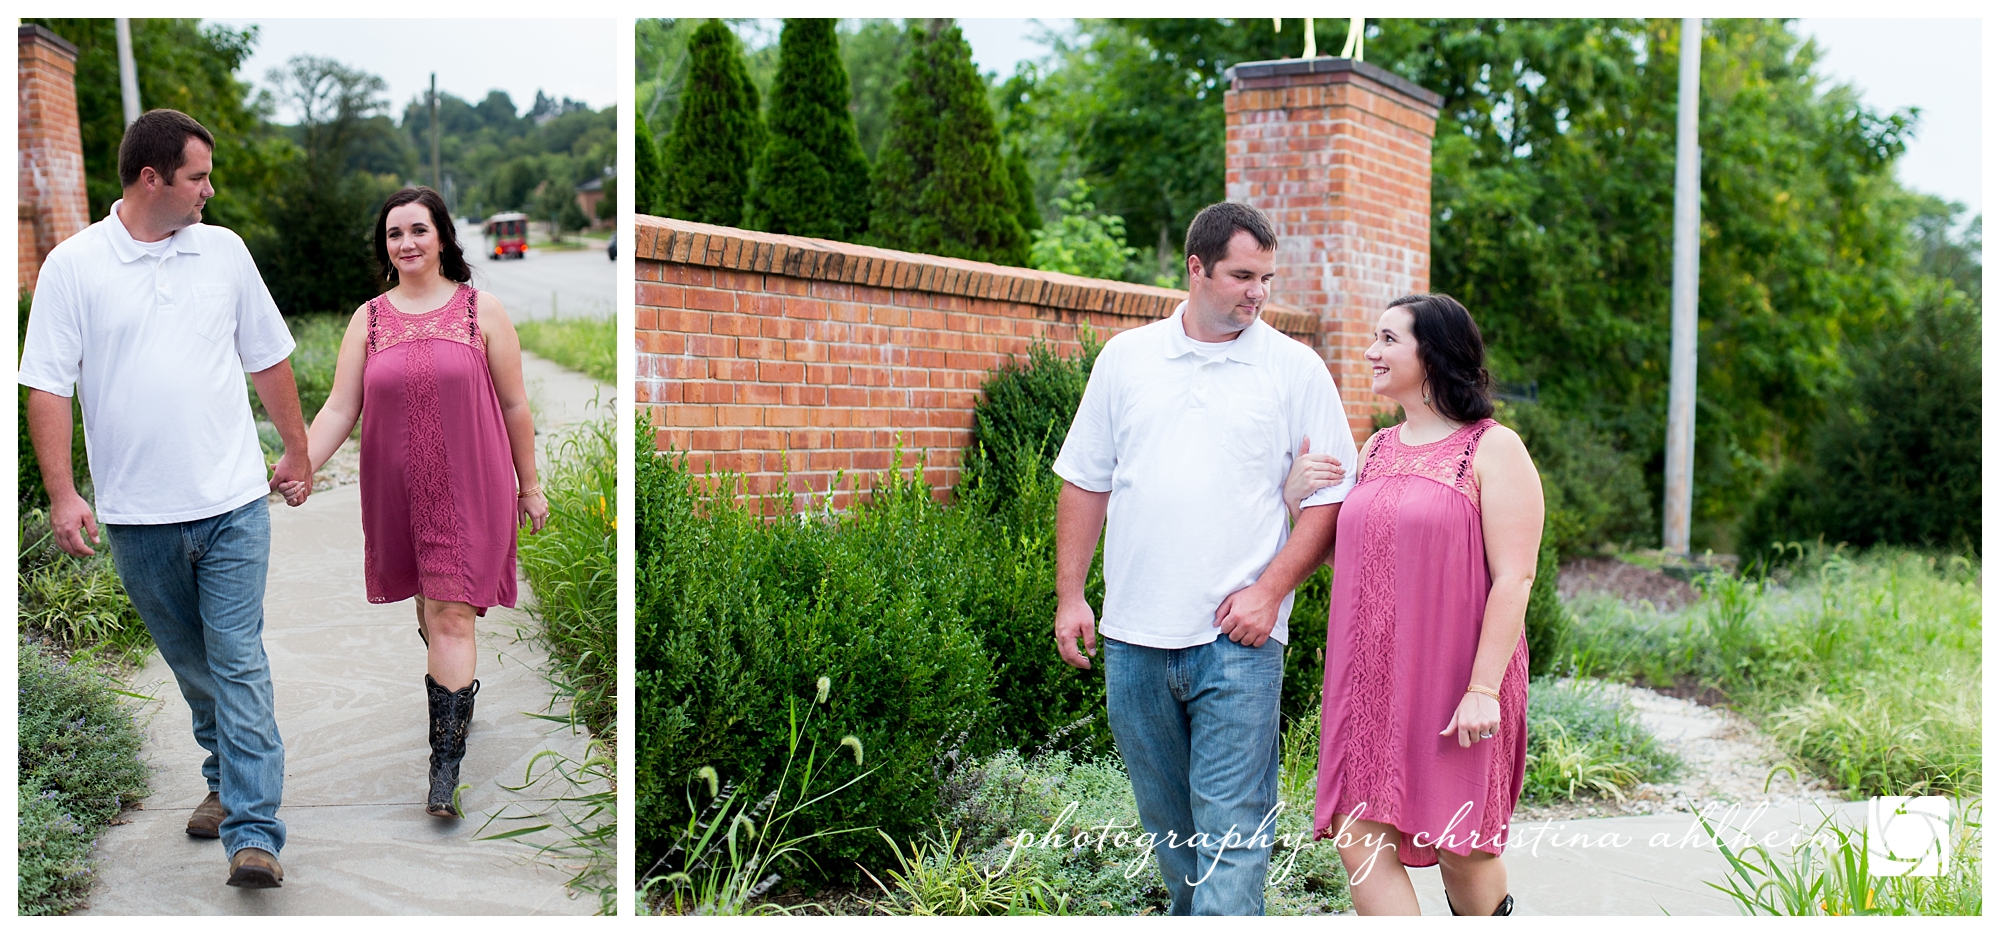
{"points": [[153, 317], [1185, 434]]}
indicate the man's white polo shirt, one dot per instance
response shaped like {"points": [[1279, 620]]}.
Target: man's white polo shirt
{"points": [[156, 346], [1194, 450]]}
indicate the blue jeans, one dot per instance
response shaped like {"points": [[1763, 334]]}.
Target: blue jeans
{"points": [[1198, 730], [199, 586]]}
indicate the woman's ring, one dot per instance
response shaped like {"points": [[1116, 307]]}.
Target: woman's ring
{"points": [[1486, 735]]}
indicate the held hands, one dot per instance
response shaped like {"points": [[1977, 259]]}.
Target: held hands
{"points": [[292, 476], [1248, 616], [1074, 620], [70, 518], [1310, 474], [1477, 718]]}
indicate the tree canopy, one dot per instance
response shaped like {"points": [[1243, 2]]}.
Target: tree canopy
{"points": [[717, 132]]}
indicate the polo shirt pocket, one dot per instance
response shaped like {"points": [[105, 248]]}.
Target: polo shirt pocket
{"points": [[1250, 432], [212, 311]]}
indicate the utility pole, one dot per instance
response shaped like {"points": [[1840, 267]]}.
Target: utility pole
{"points": [[128, 73], [437, 176], [1678, 509]]}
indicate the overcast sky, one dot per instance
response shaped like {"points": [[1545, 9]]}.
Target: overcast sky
{"points": [[575, 58], [1930, 64]]}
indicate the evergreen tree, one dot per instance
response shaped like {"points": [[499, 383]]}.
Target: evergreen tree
{"points": [[716, 134], [650, 193], [811, 178], [942, 186], [1024, 191]]}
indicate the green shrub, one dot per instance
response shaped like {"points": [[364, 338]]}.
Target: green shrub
{"points": [[572, 566], [78, 768], [736, 613], [1547, 621], [649, 196], [1023, 415], [1897, 460], [1081, 241], [1594, 493]]}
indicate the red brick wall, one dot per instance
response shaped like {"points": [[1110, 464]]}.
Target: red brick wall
{"points": [[761, 353], [1338, 153], [52, 204]]}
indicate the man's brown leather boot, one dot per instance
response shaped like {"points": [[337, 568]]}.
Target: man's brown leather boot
{"points": [[207, 818], [252, 868]]}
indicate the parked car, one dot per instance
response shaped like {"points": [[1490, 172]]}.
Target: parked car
{"points": [[611, 249]]}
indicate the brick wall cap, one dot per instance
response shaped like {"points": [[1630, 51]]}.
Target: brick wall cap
{"points": [[656, 237], [1286, 67], [35, 32]]}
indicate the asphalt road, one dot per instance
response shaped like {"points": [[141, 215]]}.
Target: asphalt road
{"points": [[570, 283]]}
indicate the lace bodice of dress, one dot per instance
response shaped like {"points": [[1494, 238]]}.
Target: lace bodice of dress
{"points": [[456, 320], [1447, 460]]}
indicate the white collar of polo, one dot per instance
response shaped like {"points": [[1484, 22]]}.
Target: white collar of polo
{"points": [[130, 250], [1246, 348]]}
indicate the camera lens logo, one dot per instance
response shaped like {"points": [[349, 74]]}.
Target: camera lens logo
{"points": [[1909, 836]]}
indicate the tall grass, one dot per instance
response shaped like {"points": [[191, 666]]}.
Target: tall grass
{"points": [[1831, 875], [1864, 666], [77, 603], [585, 344], [572, 566], [1583, 742]]}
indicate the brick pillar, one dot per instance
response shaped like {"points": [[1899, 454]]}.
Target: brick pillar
{"points": [[1338, 153], [52, 203]]}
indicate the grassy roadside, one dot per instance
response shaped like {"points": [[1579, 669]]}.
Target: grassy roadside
{"points": [[586, 345]]}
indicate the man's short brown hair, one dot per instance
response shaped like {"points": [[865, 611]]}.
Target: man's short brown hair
{"points": [[1209, 234], [158, 139]]}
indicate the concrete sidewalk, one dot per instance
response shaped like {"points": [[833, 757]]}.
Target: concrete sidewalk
{"points": [[349, 677], [1648, 865]]}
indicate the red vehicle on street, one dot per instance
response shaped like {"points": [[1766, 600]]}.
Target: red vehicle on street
{"points": [[509, 233]]}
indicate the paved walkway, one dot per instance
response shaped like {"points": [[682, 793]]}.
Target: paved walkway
{"points": [[350, 695], [1648, 865]]}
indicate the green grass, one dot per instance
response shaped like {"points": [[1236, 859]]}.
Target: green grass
{"points": [[1582, 742], [76, 603], [1865, 666], [572, 567], [586, 345], [78, 767], [1832, 876]]}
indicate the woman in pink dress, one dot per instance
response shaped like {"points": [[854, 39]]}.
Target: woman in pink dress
{"points": [[1424, 718], [447, 454]]}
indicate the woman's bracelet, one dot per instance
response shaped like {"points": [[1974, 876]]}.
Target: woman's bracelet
{"points": [[1483, 689], [535, 490]]}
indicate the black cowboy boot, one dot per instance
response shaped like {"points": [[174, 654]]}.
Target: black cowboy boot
{"points": [[1506, 906], [451, 716]]}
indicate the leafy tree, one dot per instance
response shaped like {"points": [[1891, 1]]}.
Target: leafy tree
{"points": [[942, 186], [1024, 192], [1552, 205], [190, 68], [716, 134], [607, 206], [1081, 241], [811, 178], [649, 191], [320, 254]]}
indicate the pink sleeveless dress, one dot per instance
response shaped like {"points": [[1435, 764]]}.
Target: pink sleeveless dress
{"points": [[1409, 593], [437, 472]]}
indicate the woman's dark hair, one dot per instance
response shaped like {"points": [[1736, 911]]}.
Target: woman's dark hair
{"points": [[1454, 356], [451, 258]]}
